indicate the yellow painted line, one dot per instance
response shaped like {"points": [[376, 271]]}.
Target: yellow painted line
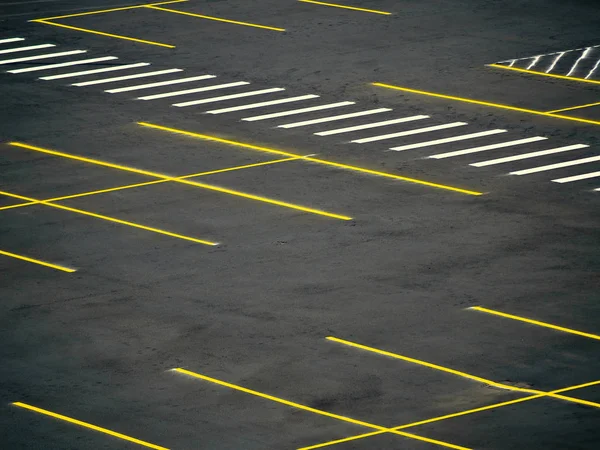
{"points": [[108, 219], [335, 5], [310, 159], [544, 74], [574, 107], [102, 11], [37, 261], [316, 411], [450, 416], [191, 183], [101, 33], [493, 105], [536, 322], [88, 425], [217, 19], [149, 183]]}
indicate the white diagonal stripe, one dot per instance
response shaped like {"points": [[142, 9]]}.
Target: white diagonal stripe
{"points": [[92, 71], [127, 77], [370, 125], [551, 151], [46, 56], [159, 83], [298, 111], [583, 176], [70, 63], [409, 132], [574, 162], [597, 189], [228, 97], [462, 137], [195, 90], [26, 49], [334, 118], [260, 105], [488, 147], [6, 41]]}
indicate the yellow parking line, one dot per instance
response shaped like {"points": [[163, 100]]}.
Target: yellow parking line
{"points": [[88, 425], [535, 322], [544, 74], [102, 11], [107, 218], [335, 5], [493, 105], [310, 159], [191, 183], [574, 107], [37, 261], [316, 411], [217, 19]]}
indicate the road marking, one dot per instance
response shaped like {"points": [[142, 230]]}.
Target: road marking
{"points": [[462, 137], [6, 41], [492, 162], [25, 49], [544, 74], [334, 118], [335, 5], [535, 322], [313, 410], [228, 97], [70, 63], [484, 148], [103, 11], [88, 425], [309, 159], [37, 261], [49, 55], [298, 111], [409, 132], [493, 105], [193, 91], [366, 126], [175, 179], [92, 71], [584, 176], [127, 77], [159, 83], [575, 107], [260, 105], [575, 162]]}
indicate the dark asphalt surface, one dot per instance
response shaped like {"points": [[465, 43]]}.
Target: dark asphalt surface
{"points": [[97, 345]]}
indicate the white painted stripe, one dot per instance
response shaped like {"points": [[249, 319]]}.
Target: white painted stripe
{"points": [[597, 189], [488, 147], [49, 55], [292, 112], [574, 162], [160, 83], [6, 41], [192, 91], [228, 97], [90, 72], [260, 105], [70, 63], [25, 49], [334, 118], [462, 137], [370, 125], [409, 132], [584, 176], [491, 162], [127, 77]]}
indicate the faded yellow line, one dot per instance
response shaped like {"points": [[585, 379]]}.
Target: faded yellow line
{"points": [[335, 5], [310, 159], [37, 261], [550, 75], [493, 105], [88, 425], [316, 411], [217, 19], [574, 107], [535, 322], [102, 11]]}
